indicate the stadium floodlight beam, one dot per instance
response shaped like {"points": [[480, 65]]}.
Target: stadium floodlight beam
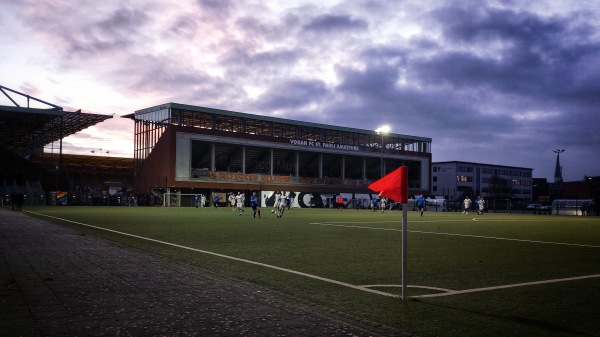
{"points": [[382, 130]]}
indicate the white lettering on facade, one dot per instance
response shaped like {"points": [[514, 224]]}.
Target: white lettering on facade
{"points": [[298, 142], [324, 145]]}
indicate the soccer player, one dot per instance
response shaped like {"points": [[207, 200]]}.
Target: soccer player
{"points": [[481, 205], [239, 202], [382, 203], [276, 202], [254, 203], [281, 206], [340, 202], [421, 204], [232, 201], [467, 204]]}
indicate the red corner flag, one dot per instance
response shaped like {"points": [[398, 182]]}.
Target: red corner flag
{"points": [[393, 185]]}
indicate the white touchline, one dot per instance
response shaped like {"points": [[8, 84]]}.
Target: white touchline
{"points": [[508, 239], [454, 234], [324, 279], [462, 220], [456, 292]]}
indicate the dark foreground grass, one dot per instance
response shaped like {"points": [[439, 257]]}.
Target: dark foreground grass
{"points": [[445, 250]]}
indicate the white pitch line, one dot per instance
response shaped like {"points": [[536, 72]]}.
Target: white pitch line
{"points": [[324, 279], [400, 286], [466, 291], [462, 220], [454, 234]]}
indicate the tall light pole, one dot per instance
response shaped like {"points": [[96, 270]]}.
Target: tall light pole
{"points": [[382, 130]]}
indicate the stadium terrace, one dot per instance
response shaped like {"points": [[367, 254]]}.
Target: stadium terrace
{"points": [[188, 149]]}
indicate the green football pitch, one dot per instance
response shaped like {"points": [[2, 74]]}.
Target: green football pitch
{"points": [[467, 275]]}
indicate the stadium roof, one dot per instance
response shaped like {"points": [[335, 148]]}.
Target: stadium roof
{"points": [[25, 129], [262, 118]]}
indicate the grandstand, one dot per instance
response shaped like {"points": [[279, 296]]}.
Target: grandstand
{"points": [[94, 180], [26, 128], [189, 149]]}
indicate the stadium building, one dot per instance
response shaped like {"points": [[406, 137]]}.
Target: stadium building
{"points": [[182, 150], [505, 186], [33, 164]]}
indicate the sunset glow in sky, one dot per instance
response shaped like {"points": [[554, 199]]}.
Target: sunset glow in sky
{"points": [[495, 82]]}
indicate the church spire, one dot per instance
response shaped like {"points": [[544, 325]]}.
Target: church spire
{"points": [[558, 169]]}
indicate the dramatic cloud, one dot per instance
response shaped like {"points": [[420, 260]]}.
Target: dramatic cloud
{"points": [[500, 83]]}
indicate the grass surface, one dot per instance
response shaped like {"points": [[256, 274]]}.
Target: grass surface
{"points": [[445, 250]]}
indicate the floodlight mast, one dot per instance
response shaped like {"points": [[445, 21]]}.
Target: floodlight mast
{"points": [[382, 130]]}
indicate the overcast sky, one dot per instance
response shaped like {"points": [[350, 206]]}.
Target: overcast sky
{"points": [[495, 82]]}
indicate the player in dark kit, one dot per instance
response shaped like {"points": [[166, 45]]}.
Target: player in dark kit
{"points": [[421, 204], [254, 203]]}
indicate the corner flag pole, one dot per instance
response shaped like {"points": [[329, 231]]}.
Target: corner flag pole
{"points": [[404, 250], [394, 185], [404, 200]]}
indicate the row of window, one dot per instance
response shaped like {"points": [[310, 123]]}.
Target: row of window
{"points": [[208, 120], [514, 182], [513, 191], [487, 190], [469, 179], [489, 170], [506, 172], [293, 131], [209, 156]]}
